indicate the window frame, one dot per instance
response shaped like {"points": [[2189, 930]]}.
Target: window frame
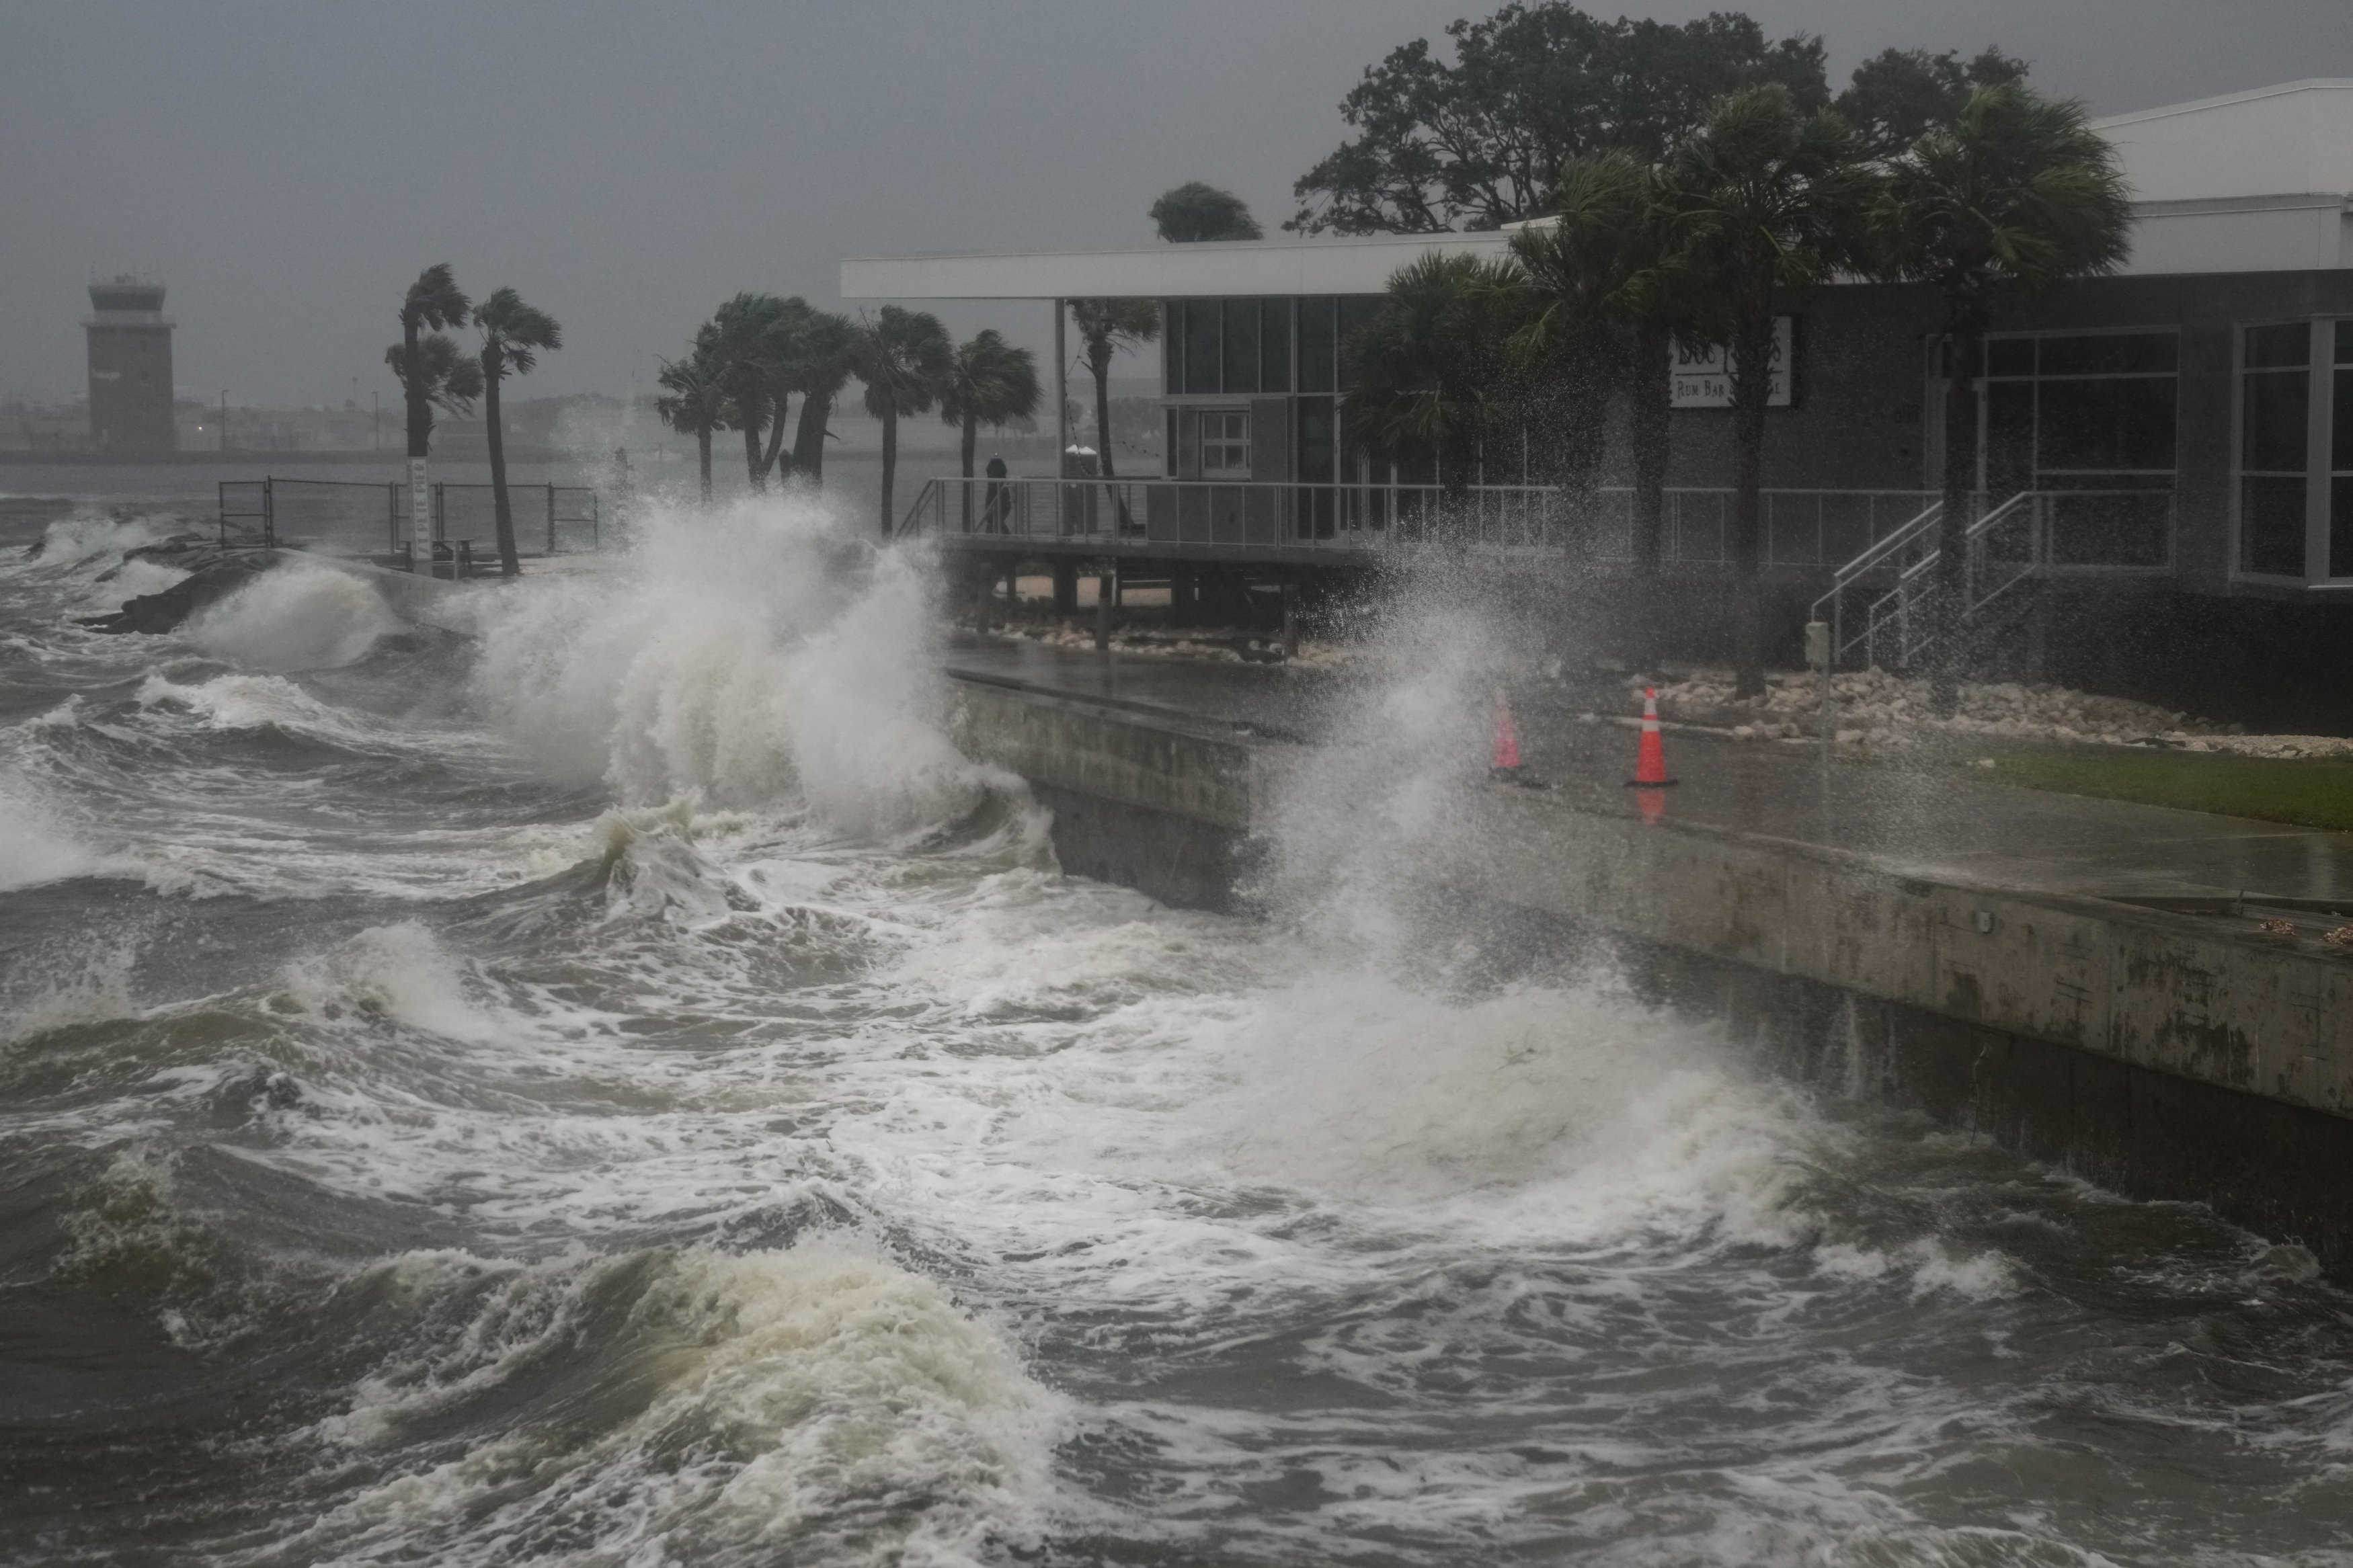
{"points": [[2319, 475], [2122, 480], [1224, 441]]}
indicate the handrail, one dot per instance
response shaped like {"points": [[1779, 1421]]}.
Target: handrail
{"points": [[1807, 528], [1899, 611]]}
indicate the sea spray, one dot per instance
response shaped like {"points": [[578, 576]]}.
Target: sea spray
{"points": [[749, 656]]}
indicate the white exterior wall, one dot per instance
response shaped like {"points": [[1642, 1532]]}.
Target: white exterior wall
{"points": [[2294, 137]]}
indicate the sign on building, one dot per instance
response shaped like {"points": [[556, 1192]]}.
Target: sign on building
{"points": [[1703, 371]]}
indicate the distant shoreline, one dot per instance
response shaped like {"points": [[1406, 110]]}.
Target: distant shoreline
{"points": [[61, 458]]}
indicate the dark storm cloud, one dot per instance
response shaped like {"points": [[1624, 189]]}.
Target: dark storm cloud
{"points": [[287, 167]]}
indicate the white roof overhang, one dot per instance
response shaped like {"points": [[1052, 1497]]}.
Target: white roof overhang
{"points": [[1164, 272]]}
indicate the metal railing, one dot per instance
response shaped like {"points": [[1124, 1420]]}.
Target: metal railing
{"points": [[348, 517], [1882, 607], [1796, 528]]}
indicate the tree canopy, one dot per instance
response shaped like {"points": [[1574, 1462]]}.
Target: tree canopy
{"points": [[1481, 140], [513, 332], [1195, 211], [451, 378], [1897, 94]]}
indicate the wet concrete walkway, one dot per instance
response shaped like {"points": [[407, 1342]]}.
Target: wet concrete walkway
{"points": [[1933, 820]]}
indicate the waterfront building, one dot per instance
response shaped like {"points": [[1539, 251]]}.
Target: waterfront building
{"points": [[2183, 429], [130, 368]]}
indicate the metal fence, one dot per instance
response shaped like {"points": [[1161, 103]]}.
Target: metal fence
{"points": [[1798, 528], [339, 516]]}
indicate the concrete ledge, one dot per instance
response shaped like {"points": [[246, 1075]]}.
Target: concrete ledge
{"points": [[2173, 993], [2163, 1054]]}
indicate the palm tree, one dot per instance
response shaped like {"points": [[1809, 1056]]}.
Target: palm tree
{"points": [[989, 382], [1105, 326], [696, 401], [513, 335], [2016, 194], [824, 366], [432, 301], [445, 377], [755, 346], [903, 357], [1576, 272], [1772, 198], [1426, 370]]}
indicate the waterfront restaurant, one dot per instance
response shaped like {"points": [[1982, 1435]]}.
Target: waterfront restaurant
{"points": [[2184, 428]]}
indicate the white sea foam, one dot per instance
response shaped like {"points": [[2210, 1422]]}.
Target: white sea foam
{"points": [[69, 540], [299, 617], [37, 845], [259, 702], [395, 972], [816, 1401]]}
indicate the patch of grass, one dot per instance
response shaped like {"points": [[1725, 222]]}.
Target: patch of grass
{"points": [[2312, 792]]}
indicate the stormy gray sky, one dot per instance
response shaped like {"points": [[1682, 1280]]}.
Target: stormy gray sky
{"points": [[287, 167]]}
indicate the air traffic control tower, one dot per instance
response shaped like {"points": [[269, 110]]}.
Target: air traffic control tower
{"points": [[130, 368]]}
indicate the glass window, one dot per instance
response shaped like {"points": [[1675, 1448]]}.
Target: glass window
{"points": [[2276, 347], [1172, 347], [1316, 337], [1315, 454], [2271, 524], [2275, 415], [2275, 408], [1204, 336], [2009, 437], [1225, 444], [2113, 423], [1274, 345], [1241, 346], [2340, 526], [2340, 456], [2111, 354], [2092, 414], [1354, 311], [2009, 356], [1169, 445]]}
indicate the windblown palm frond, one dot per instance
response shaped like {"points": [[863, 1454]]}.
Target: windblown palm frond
{"points": [[451, 380]]}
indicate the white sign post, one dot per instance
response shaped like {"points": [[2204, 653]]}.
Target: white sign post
{"points": [[420, 519], [1702, 372]]}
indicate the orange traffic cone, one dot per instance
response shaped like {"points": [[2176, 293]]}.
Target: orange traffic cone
{"points": [[1506, 764], [1650, 758]]}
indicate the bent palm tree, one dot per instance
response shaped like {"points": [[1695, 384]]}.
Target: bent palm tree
{"points": [[433, 302], [902, 356], [989, 382], [1105, 326], [754, 350], [436, 374], [513, 333], [1773, 199], [2018, 193], [822, 368], [694, 401]]}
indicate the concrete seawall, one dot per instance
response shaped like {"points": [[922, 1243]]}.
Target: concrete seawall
{"points": [[2162, 1053]]}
